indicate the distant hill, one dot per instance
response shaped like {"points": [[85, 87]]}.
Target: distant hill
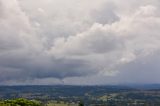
{"points": [[145, 86]]}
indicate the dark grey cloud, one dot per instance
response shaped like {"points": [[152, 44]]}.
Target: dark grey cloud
{"points": [[40, 41], [144, 70]]}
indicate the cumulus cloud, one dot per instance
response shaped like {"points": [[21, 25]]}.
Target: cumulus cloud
{"points": [[49, 40]]}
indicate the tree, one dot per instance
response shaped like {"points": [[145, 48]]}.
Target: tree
{"points": [[22, 102], [81, 103]]}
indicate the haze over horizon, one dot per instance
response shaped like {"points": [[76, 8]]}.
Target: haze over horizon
{"points": [[79, 42]]}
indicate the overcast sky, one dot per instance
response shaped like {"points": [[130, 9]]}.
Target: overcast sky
{"points": [[79, 42]]}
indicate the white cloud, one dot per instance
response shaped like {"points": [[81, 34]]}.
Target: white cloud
{"points": [[48, 39]]}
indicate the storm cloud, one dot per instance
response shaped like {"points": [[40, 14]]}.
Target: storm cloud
{"points": [[59, 41]]}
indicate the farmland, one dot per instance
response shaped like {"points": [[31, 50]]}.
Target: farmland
{"points": [[87, 95]]}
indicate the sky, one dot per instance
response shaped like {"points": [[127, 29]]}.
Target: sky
{"points": [[79, 42]]}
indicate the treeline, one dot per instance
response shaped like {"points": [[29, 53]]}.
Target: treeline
{"points": [[20, 102]]}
